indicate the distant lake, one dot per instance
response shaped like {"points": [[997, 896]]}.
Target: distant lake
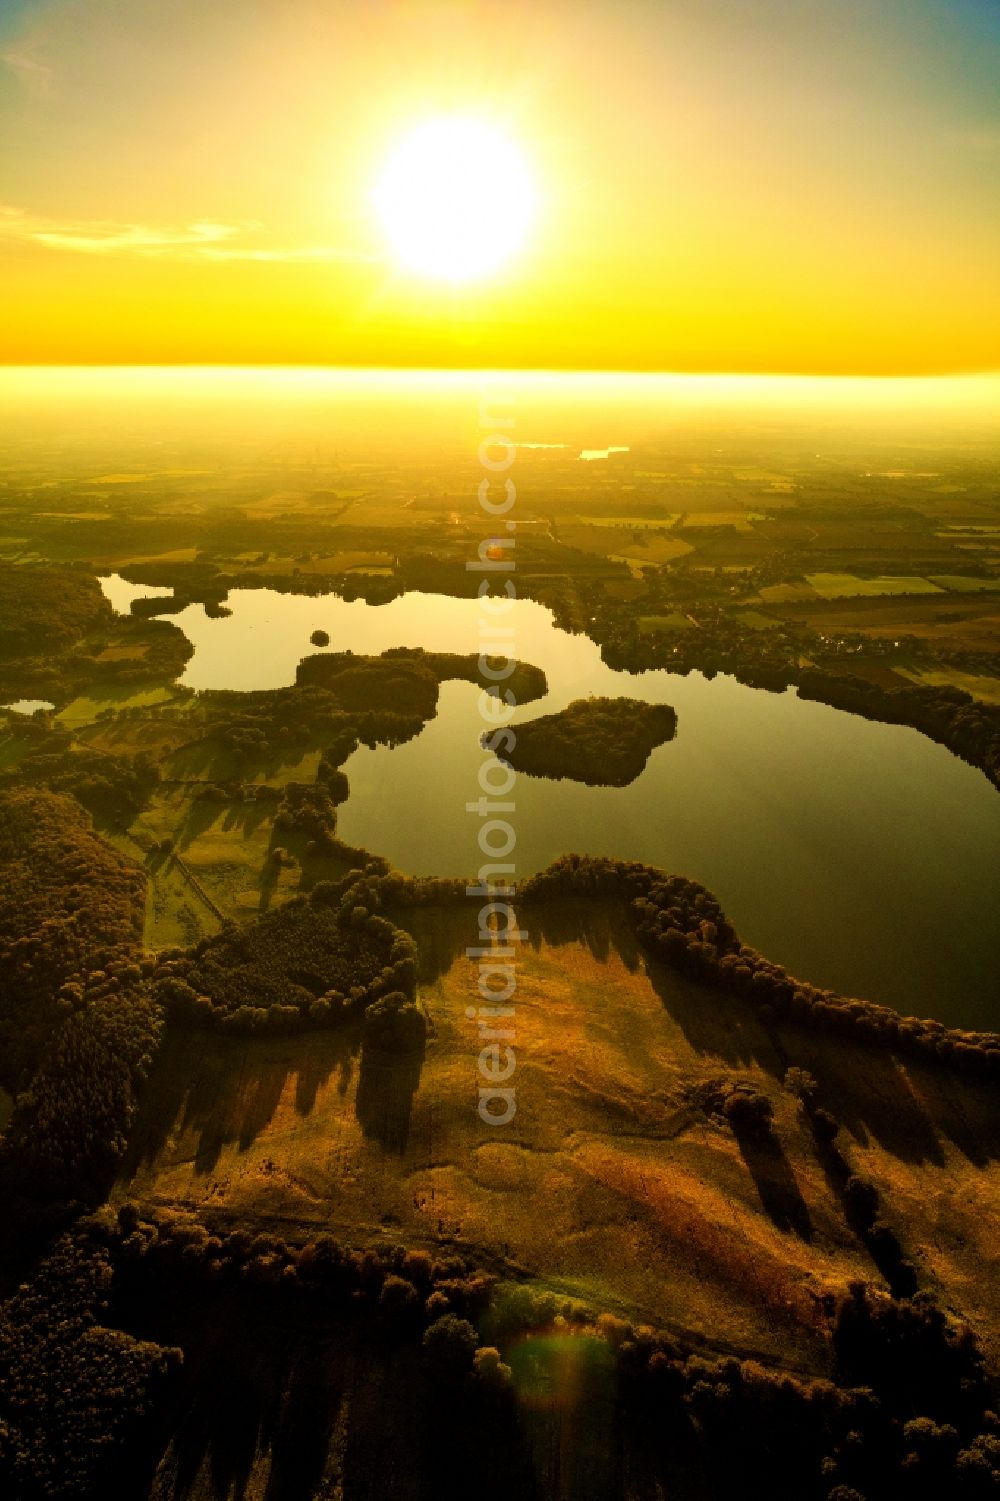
{"points": [[862, 856]]}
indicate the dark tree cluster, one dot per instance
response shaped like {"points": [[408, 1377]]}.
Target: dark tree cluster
{"points": [[779, 997], [908, 1410], [68, 1132], [396, 890], [153, 1252], [74, 1395], [209, 1300], [59, 637], [397, 684], [524, 681], [238, 792], [67, 894], [906, 1414], [113, 789], [405, 680], [719, 642], [132, 651], [603, 742], [45, 610], [256, 726], [907, 1417], [311, 812], [315, 961], [394, 1024], [334, 780], [748, 1111]]}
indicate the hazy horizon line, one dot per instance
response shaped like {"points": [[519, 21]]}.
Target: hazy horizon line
{"points": [[660, 372]]}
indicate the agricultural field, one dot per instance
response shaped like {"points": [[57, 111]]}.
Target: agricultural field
{"points": [[963, 584], [969, 622], [739, 520], [979, 685], [86, 709], [673, 620], [655, 545], [846, 585]]}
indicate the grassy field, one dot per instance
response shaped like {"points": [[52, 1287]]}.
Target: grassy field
{"points": [[738, 519], [614, 1182], [755, 620], [84, 710], [783, 594], [656, 546], [986, 689], [176, 914], [962, 583], [674, 620], [216, 867], [969, 622], [846, 585]]}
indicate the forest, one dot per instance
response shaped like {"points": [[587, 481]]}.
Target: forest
{"points": [[77, 1025], [314, 961], [134, 1320], [603, 742], [59, 637]]}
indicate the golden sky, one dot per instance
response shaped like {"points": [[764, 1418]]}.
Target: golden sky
{"points": [[729, 185]]}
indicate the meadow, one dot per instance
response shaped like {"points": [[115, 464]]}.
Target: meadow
{"points": [[618, 1182]]}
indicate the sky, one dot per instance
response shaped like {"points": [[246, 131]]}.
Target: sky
{"points": [[800, 186]]}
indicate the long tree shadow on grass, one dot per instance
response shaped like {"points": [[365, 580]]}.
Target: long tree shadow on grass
{"points": [[711, 1019], [601, 926], [868, 1091], [204, 813], [286, 1404], [714, 1021], [248, 816], [443, 933], [775, 1182], [387, 1083], [217, 1092], [199, 816], [906, 1105], [256, 1388], [859, 1202], [966, 1111]]}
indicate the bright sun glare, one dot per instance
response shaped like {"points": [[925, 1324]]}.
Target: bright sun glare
{"points": [[456, 199]]}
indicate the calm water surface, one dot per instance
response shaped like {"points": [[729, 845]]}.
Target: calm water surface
{"points": [[862, 856]]}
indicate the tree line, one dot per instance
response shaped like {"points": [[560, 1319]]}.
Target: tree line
{"points": [[905, 1412], [681, 923]]}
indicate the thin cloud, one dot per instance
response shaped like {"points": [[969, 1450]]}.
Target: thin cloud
{"points": [[35, 77], [204, 240], [289, 253]]}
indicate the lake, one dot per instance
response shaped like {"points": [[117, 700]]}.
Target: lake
{"points": [[862, 856]]}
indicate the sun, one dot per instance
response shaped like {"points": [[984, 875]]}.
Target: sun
{"points": [[456, 199]]}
